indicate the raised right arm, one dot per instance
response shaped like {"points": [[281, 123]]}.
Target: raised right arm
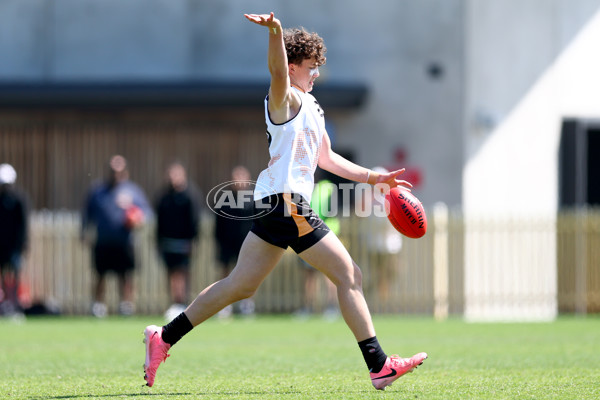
{"points": [[280, 96]]}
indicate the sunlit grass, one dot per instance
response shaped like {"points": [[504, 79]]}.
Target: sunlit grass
{"points": [[279, 357]]}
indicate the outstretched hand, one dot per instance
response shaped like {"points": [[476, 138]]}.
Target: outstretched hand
{"points": [[390, 180], [267, 20]]}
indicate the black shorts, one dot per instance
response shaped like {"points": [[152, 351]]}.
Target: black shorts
{"points": [[290, 223], [10, 261], [176, 260], [113, 258], [175, 252]]}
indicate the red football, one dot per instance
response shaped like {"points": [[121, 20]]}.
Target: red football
{"points": [[406, 213], [134, 216]]}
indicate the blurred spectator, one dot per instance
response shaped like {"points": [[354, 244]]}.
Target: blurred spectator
{"points": [[383, 244], [231, 232], [115, 208], [13, 240], [176, 228]]}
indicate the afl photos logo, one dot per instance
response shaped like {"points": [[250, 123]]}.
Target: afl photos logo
{"points": [[235, 200]]}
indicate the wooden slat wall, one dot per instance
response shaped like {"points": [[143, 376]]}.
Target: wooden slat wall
{"points": [[57, 159], [24, 146]]}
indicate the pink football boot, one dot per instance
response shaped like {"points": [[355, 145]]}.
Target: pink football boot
{"points": [[156, 352], [394, 368]]}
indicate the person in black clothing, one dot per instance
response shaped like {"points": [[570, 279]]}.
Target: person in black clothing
{"points": [[13, 239], [177, 214], [231, 232]]}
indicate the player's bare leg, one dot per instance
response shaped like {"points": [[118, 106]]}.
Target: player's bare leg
{"points": [[331, 257], [256, 261]]}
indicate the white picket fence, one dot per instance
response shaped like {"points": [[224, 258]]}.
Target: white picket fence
{"points": [[480, 268]]}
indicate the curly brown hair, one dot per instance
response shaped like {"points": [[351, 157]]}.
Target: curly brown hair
{"points": [[301, 45]]}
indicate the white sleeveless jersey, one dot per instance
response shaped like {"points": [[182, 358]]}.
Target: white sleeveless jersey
{"points": [[294, 147]]}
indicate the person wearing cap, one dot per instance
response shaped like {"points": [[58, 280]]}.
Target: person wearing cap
{"points": [[13, 239]]}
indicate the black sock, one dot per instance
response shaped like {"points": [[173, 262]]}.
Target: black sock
{"points": [[176, 329], [373, 354]]}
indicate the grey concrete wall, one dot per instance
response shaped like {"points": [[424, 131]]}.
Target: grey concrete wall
{"points": [[391, 45], [527, 68], [388, 44], [408, 107], [510, 45]]}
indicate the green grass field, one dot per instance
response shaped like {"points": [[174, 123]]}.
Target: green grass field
{"points": [[279, 357]]}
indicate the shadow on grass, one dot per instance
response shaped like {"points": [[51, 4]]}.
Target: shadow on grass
{"points": [[176, 395], [107, 396], [179, 395]]}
